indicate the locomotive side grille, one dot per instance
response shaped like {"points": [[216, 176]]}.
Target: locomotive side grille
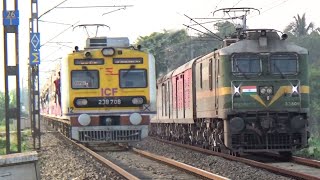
{"points": [[279, 141], [110, 136]]}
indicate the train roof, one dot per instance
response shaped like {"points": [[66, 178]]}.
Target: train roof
{"points": [[178, 70], [252, 44], [185, 66], [101, 42], [165, 77]]}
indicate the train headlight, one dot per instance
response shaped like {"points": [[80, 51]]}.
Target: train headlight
{"points": [[137, 100], [84, 119], [237, 124], [108, 51], [135, 118], [81, 102], [108, 121], [263, 90], [266, 90], [87, 54], [269, 90]]}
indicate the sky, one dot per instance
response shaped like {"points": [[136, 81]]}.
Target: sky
{"points": [[139, 18]]}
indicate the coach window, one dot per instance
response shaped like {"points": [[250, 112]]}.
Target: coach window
{"points": [[284, 64], [246, 64], [133, 78], [88, 79]]}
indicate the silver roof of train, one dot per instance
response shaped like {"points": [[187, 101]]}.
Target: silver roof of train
{"points": [[252, 44]]}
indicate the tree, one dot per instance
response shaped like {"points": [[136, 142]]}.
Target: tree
{"points": [[299, 27], [315, 101], [174, 48], [160, 44], [2, 106], [225, 28], [12, 98]]}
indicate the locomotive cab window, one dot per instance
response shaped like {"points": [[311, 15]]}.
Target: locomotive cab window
{"points": [[133, 78], [88, 79], [284, 64], [246, 64]]}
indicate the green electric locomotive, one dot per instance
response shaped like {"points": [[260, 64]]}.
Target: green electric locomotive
{"points": [[252, 95]]}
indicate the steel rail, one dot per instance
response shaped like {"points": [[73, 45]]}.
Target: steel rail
{"points": [[103, 160], [298, 160], [180, 165], [305, 161], [246, 161]]}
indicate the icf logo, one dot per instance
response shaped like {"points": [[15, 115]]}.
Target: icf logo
{"points": [[108, 91]]}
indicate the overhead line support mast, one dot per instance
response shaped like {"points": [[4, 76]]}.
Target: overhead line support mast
{"points": [[34, 62], [12, 114]]}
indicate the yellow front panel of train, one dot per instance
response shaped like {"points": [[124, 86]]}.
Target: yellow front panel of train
{"points": [[117, 82]]}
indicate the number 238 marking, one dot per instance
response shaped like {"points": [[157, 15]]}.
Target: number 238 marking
{"points": [[109, 101]]}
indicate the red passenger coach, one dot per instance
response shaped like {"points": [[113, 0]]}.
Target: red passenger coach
{"points": [[177, 107]]}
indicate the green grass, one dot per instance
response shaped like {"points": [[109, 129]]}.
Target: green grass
{"points": [[313, 151], [13, 139]]}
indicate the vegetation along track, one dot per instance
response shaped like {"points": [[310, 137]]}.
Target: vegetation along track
{"points": [[297, 167]]}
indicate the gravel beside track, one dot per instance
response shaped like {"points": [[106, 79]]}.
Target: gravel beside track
{"points": [[144, 168], [214, 164], [59, 159]]}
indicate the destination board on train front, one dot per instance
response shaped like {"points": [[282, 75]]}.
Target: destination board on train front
{"points": [[88, 61], [127, 60]]}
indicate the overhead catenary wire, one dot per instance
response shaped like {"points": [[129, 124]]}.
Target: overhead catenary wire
{"points": [[236, 3], [59, 34], [51, 9], [216, 36], [208, 22], [269, 8], [262, 11], [203, 32], [82, 7], [54, 22], [124, 8]]}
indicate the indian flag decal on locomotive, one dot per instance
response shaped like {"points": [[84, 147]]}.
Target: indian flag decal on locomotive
{"points": [[249, 89]]}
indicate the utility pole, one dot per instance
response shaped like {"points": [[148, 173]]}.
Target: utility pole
{"points": [[10, 25], [33, 71]]}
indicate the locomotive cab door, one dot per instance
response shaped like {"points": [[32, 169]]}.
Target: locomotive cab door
{"points": [[216, 82]]}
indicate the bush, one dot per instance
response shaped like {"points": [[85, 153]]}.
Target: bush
{"points": [[313, 151]]}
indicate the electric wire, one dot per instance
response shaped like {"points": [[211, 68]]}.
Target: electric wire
{"points": [[203, 32], [54, 22], [82, 7], [59, 34], [216, 36], [51, 9]]}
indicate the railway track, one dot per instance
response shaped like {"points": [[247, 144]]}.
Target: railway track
{"points": [[297, 167], [145, 165], [137, 164]]}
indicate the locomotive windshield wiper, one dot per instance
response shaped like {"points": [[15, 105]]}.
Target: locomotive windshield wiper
{"points": [[89, 74], [242, 73], [282, 75], [126, 73]]}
